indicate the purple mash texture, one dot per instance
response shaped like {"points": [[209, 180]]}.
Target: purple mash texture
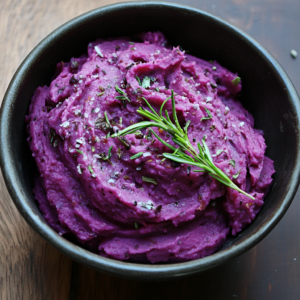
{"points": [[105, 204]]}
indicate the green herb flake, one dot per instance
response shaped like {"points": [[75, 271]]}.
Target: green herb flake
{"points": [[93, 149], [136, 155], [146, 82], [214, 68], [149, 180], [109, 152], [125, 142], [235, 176], [131, 43], [106, 118], [138, 80], [119, 153], [121, 119], [236, 80], [122, 93], [232, 162], [90, 169], [219, 151], [157, 89], [100, 94], [79, 151], [208, 113], [104, 72], [136, 225]]}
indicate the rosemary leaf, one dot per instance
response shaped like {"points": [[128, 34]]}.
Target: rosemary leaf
{"points": [[208, 113], [79, 151], [236, 80], [149, 180], [136, 155]]}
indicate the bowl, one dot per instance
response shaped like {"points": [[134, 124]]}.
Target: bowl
{"points": [[267, 93]]}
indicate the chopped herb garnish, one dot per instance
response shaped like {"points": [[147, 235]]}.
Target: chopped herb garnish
{"points": [[131, 43], [157, 89], [236, 80], [136, 155], [138, 80], [125, 142], [146, 82], [90, 169], [104, 157], [235, 176], [100, 94], [104, 72], [232, 162], [106, 118], [208, 113], [149, 180], [120, 122], [119, 153], [79, 151], [214, 86], [122, 93], [201, 159], [136, 226], [214, 68], [93, 149], [108, 135], [97, 49], [109, 152], [219, 151], [97, 66]]}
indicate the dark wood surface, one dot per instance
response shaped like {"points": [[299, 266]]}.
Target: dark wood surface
{"points": [[32, 269]]}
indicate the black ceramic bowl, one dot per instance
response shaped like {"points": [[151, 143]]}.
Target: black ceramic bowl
{"points": [[267, 93]]}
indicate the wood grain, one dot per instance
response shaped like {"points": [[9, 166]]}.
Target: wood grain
{"points": [[32, 269]]}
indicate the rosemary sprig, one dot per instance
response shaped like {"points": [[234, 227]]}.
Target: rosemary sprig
{"points": [[123, 95], [185, 153]]}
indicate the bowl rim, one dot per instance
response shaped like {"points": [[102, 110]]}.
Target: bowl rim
{"points": [[112, 266]]}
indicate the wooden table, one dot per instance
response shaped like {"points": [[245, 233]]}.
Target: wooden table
{"points": [[32, 269]]}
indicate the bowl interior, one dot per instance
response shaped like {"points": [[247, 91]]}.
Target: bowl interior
{"points": [[267, 94]]}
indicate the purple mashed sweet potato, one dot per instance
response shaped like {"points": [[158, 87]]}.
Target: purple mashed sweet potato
{"points": [[104, 200]]}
